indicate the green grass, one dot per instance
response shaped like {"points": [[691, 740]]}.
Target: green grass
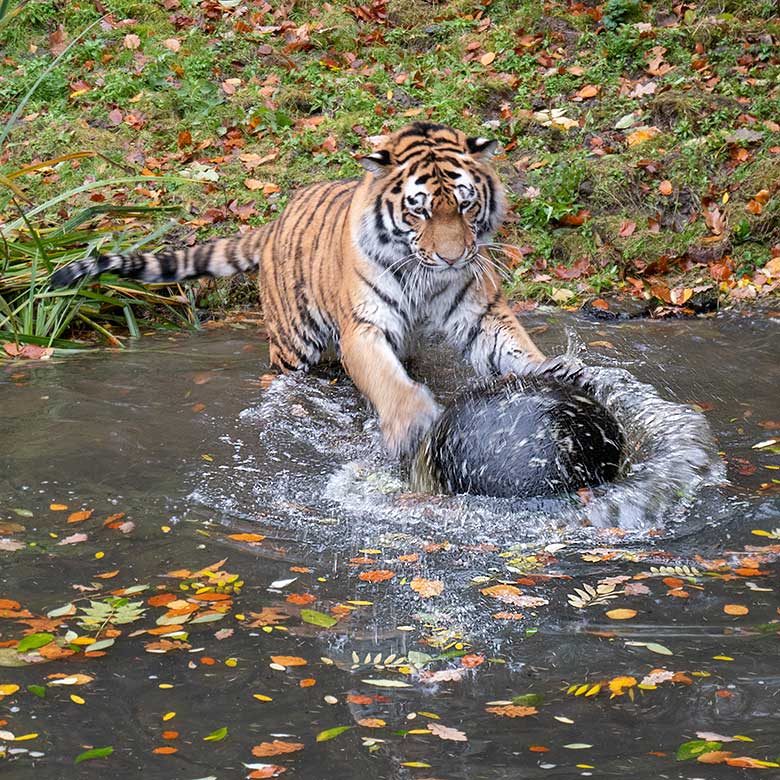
{"points": [[328, 73]]}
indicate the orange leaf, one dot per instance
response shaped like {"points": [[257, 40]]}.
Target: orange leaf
{"points": [[159, 630], [472, 661], [508, 616], [246, 537], [673, 582], [79, 517], [356, 698], [588, 91], [497, 591], [9, 604], [288, 660], [512, 711], [301, 598], [754, 207], [735, 609], [161, 599], [107, 575], [165, 750], [376, 575], [372, 723], [539, 749], [487, 58], [426, 588], [275, 748], [665, 187], [210, 596], [58, 507], [170, 735], [307, 682]]}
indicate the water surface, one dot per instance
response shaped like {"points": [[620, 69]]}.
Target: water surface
{"points": [[186, 437]]}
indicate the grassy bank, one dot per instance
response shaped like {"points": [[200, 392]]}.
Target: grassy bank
{"points": [[642, 143]]}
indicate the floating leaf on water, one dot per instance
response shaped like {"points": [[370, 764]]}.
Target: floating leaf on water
{"points": [[528, 700], [446, 732], [216, 736], [324, 736], [37, 690], [88, 755], [67, 609], [33, 642], [101, 644], [318, 618], [288, 660], [387, 683], [578, 746], [279, 584], [695, 748], [208, 617]]}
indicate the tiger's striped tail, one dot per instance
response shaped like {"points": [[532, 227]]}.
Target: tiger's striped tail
{"points": [[220, 257]]}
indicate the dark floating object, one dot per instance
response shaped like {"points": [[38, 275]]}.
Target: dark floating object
{"points": [[528, 436]]}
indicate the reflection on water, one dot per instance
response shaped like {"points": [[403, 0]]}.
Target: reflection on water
{"points": [[183, 434]]}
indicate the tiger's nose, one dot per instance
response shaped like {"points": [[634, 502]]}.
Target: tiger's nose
{"points": [[452, 260]]}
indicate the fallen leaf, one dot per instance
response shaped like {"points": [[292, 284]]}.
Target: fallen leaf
{"points": [[621, 614], [512, 711], [487, 58], [288, 660], [445, 732], [251, 538], [376, 575], [665, 187], [276, 748], [735, 609], [426, 588], [131, 41]]}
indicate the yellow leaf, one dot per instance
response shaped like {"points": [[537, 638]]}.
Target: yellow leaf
{"points": [[621, 614], [8, 689]]}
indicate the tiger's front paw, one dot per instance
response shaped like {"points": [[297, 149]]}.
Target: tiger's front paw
{"points": [[404, 425]]}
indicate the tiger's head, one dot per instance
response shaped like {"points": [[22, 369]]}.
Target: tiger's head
{"points": [[433, 197]]}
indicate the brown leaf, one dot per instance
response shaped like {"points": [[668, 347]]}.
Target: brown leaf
{"points": [[276, 748], [487, 58], [714, 220], [268, 616], [28, 351], [172, 43], [165, 646], [714, 757], [627, 229], [512, 711], [131, 41], [665, 187]]}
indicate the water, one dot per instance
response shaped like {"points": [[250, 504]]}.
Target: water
{"points": [[184, 436]]}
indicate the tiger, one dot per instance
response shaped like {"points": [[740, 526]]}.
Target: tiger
{"points": [[368, 264]]}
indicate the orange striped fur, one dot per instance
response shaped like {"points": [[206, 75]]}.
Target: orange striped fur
{"points": [[367, 264]]}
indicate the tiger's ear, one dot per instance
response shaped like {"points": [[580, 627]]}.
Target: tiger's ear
{"points": [[482, 148], [377, 163]]}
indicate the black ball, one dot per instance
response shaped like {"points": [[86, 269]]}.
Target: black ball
{"points": [[523, 437]]}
